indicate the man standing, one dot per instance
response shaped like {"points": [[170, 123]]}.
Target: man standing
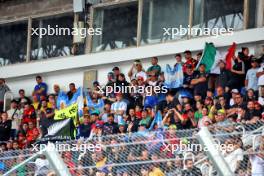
{"points": [[3, 89], [251, 81], [41, 88], [72, 90], [119, 108]]}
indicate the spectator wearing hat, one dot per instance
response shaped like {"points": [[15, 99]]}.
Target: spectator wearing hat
{"points": [[14, 114], [251, 81], [3, 89]]}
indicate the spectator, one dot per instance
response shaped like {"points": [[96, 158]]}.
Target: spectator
{"points": [[86, 127], [3, 89], [251, 81], [41, 88], [137, 71], [200, 81], [29, 114], [22, 97], [155, 69], [5, 127], [189, 60], [32, 133], [238, 74], [191, 169], [110, 127], [14, 114], [119, 108], [56, 89], [224, 76], [257, 161], [116, 72], [72, 90]]}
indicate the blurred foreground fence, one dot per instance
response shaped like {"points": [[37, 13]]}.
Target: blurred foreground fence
{"points": [[170, 152]]}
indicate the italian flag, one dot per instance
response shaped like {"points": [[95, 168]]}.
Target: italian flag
{"points": [[210, 58], [229, 56]]}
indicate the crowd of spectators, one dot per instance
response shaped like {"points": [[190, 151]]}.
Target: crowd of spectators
{"points": [[204, 99]]}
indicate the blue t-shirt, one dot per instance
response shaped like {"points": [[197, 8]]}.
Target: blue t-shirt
{"points": [[41, 86]]}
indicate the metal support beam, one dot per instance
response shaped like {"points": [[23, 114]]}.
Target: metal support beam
{"points": [[260, 13], [139, 21], [205, 138], [56, 161], [29, 31], [246, 13]]}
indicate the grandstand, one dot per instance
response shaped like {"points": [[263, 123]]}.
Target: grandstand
{"points": [[132, 87]]}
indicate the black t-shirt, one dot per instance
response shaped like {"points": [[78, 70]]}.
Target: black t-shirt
{"points": [[170, 105], [187, 79], [250, 114], [5, 129], [85, 130], [224, 78], [201, 87], [110, 128]]}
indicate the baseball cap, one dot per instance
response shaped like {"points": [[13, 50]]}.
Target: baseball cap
{"points": [[234, 91], [95, 112], [115, 68], [221, 111]]}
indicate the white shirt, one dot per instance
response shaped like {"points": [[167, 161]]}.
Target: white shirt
{"points": [[16, 119], [251, 76], [141, 74], [261, 78], [261, 101], [257, 165], [119, 106], [233, 158]]}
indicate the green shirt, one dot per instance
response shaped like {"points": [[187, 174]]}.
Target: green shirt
{"points": [[154, 67], [198, 115]]}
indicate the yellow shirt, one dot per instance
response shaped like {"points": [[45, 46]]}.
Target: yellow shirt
{"points": [[156, 172]]}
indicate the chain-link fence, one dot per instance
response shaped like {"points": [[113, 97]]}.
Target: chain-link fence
{"points": [[168, 152]]}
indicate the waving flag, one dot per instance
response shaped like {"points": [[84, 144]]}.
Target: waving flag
{"points": [[208, 57], [173, 76], [75, 96], [92, 105], [62, 100], [157, 120], [229, 56]]}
